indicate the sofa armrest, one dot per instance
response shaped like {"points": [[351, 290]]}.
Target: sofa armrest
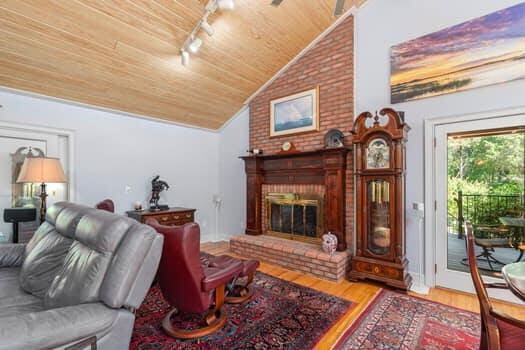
{"points": [[12, 254], [214, 277], [55, 327]]}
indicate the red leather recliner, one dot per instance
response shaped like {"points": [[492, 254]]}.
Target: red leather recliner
{"points": [[107, 205], [189, 286], [238, 291]]}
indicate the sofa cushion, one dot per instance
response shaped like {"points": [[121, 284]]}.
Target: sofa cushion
{"points": [[46, 251], [132, 268], [20, 303], [13, 299], [51, 329], [9, 281], [47, 226], [43, 263], [97, 236]]}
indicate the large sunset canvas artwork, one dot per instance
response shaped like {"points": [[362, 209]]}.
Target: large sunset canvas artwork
{"points": [[484, 51]]}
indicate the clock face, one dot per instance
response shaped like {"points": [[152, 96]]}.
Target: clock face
{"points": [[286, 146], [377, 154]]}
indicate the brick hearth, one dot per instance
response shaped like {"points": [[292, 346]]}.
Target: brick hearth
{"points": [[302, 257]]}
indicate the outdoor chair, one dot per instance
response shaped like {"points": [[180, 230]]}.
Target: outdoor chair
{"points": [[489, 237]]}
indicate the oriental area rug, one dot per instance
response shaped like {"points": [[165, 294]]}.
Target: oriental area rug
{"points": [[399, 321], [280, 315]]}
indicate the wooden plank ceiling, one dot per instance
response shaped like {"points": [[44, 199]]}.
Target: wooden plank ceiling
{"points": [[124, 54]]}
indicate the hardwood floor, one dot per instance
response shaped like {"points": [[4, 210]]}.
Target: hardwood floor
{"points": [[361, 294]]}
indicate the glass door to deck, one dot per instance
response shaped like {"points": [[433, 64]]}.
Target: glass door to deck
{"points": [[479, 178]]}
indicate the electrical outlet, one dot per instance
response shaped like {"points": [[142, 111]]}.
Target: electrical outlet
{"points": [[127, 190], [3, 237]]}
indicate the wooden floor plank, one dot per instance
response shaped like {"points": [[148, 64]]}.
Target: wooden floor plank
{"points": [[361, 294]]}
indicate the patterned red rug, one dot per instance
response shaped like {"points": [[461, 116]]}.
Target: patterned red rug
{"points": [[279, 315], [399, 321]]}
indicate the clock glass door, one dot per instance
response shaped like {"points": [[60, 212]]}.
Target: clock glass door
{"points": [[378, 193]]}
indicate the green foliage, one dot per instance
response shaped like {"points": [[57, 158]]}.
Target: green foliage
{"points": [[506, 188], [455, 185], [485, 165], [496, 161]]}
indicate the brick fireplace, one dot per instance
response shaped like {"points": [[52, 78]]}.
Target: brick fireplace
{"points": [[317, 174], [328, 65], [323, 171]]}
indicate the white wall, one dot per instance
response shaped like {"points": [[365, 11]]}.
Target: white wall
{"points": [[234, 141], [113, 151], [381, 24]]}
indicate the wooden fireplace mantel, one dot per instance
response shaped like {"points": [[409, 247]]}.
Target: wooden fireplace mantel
{"points": [[325, 167]]}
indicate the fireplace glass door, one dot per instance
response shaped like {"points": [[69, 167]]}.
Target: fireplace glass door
{"points": [[294, 216]]}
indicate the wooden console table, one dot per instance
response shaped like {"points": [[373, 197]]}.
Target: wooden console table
{"points": [[172, 217]]}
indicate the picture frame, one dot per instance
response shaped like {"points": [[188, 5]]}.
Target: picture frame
{"points": [[484, 51], [294, 114]]}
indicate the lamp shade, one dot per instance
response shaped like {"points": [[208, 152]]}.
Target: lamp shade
{"points": [[41, 169]]}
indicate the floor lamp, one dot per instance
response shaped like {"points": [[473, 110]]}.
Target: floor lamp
{"points": [[43, 170]]}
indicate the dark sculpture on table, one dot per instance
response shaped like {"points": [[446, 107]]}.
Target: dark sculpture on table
{"points": [[157, 186]]}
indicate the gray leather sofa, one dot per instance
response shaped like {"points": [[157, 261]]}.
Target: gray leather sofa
{"points": [[83, 274]]}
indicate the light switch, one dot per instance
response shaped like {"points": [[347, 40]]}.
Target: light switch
{"points": [[418, 206]]}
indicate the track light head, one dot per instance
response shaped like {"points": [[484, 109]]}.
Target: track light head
{"points": [[184, 57], [207, 27], [226, 4], [339, 8], [194, 45]]}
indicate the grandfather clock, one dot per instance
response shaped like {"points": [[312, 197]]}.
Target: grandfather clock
{"points": [[379, 146]]}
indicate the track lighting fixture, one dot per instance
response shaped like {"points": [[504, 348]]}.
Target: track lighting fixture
{"points": [[185, 57], [226, 4], [193, 43], [207, 27], [339, 7]]}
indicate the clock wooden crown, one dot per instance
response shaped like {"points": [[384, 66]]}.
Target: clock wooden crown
{"points": [[379, 146], [387, 123]]}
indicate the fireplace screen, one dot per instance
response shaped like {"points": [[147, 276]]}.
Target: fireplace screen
{"points": [[295, 216]]}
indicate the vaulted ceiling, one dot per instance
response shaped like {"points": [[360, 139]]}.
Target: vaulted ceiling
{"points": [[124, 54]]}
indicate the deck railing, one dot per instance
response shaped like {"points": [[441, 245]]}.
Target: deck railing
{"points": [[484, 209]]}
